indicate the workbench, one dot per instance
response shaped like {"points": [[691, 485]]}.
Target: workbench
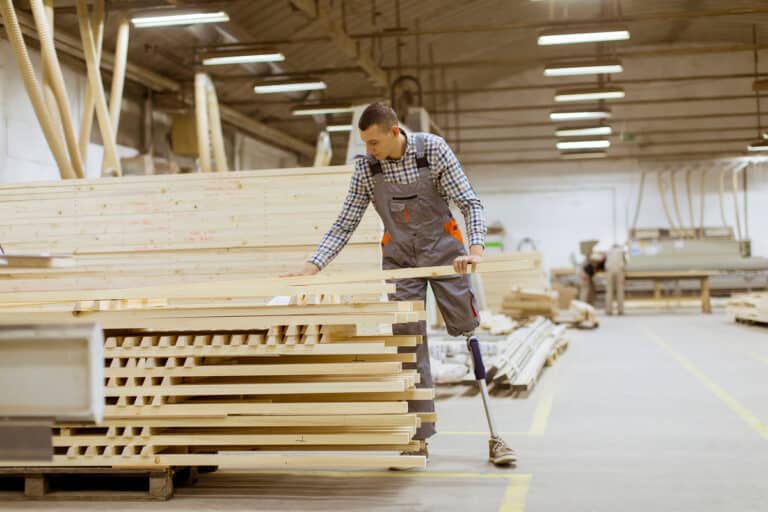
{"points": [[677, 275]]}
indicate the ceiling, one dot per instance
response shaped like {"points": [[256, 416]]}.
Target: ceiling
{"points": [[689, 66]]}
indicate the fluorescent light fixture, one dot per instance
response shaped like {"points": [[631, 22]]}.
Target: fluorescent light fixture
{"points": [[339, 128], [584, 144], [288, 86], [583, 35], [584, 68], [761, 145], [584, 131], [576, 115], [582, 155], [220, 58], [168, 20], [314, 110], [608, 93]]}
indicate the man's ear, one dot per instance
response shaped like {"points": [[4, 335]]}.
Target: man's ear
{"points": [[395, 130]]}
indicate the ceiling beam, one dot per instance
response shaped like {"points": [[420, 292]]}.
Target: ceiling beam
{"points": [[688, 155], [626, 18], [320, 13], [72, 46], [576, 105]]}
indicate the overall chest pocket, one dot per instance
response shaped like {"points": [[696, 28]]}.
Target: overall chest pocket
{"points": [[398, 209]]}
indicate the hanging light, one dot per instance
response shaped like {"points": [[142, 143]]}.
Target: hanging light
{"points": [[338, 128], [314, 110], [584, 68], [605, 93], [584, 131], [584, 144], [577, 115], [268, 87], [583, 35], [190, 18], [241, 57]]}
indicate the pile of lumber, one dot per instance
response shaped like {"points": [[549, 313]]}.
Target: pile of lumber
{"points": [[523, 303], [150, 230], [307, 379], [496, 287], [749, 307], [203, 367], [525, 352]]}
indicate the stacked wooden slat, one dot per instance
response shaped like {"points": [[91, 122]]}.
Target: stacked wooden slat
{"points": [[749, 307], [137, 231], [496, 287], [523, 303], [525, 352], [314, 378]]}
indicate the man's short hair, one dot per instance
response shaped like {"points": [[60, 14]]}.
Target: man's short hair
{"points": [[378, 114]]}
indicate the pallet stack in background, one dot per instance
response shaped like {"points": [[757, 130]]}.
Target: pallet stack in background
{"points": [[749, 308]]}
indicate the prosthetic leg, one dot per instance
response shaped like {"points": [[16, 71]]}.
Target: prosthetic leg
{"points": [[498, 452]]}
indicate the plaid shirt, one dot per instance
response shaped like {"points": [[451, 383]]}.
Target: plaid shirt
{"points": [[450, 181]]}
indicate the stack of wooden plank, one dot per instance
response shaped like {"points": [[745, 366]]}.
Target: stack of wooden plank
{"points": [[137, 231], [201, 370], [523, 303], [311, 378], [496, 287], [749, 307]]}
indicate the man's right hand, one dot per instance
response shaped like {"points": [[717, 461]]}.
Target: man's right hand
{"points": [[309, 269]]}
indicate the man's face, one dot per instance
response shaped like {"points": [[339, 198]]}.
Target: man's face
{"points": [[380, 142]]}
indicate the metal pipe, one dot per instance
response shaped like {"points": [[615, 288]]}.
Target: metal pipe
{"points": [[663, 197], [214, 125]]}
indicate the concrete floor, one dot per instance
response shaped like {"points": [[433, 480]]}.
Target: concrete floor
{"points": [[649, 412]]}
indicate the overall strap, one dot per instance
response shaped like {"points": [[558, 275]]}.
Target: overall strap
{"points": [[421, 151]]}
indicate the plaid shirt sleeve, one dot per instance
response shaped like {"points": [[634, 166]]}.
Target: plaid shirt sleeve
{"points": [[349, 218], [453, 184]]}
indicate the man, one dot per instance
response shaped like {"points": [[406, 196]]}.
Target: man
{"points": [[615, 260], [410, 178]]}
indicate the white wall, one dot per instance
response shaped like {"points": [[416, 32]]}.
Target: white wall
{"points": [[24, 152], [558, 206]]}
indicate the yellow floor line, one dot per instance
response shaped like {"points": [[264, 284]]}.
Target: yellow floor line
{"points": [[734, 405], [516, 494], [543, 409]]}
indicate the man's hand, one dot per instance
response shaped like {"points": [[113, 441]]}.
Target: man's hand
{"points": [[462, 263], [309, 269]]}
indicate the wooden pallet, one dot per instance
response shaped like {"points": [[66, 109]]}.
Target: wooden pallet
{"points": [[88, 483]]}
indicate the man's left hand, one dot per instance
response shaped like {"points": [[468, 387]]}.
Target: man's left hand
{"points": [[462, 263]]}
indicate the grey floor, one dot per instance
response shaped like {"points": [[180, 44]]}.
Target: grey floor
{"points": [[650, 412]]}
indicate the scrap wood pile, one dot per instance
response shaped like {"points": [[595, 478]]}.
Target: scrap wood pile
{"points": [[497, 286], [522, 303], [749, 307], [203, 367]]}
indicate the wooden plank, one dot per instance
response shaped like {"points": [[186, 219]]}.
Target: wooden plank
{"points": [[267, 409], [252, 370]]}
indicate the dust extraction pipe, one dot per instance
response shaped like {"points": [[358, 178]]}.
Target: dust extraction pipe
{"points": [[51, 63], [675, 204], [689, 196], [118, 80], [703, 199], [736, 208], [16, 40], [208, 124], [663, 197], [89, 101], [201, 113], [111, 160]]}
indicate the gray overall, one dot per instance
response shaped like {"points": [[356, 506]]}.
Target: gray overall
{"points": [[419, 231]]}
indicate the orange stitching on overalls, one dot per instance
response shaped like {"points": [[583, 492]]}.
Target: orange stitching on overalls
{"points": [[385, 239], [453, 229]]}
